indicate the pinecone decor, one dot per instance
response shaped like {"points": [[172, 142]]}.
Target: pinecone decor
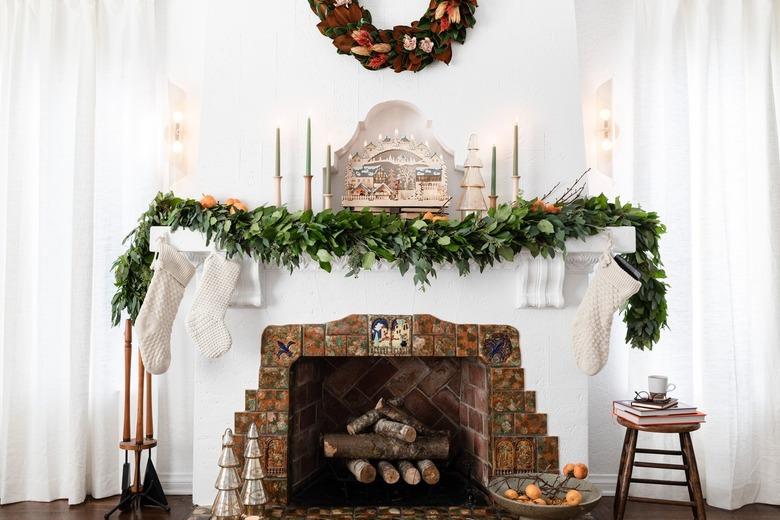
{"points": [[227, 504], [472, 200], [253, 494]]}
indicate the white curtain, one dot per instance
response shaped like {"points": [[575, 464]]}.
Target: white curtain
{"points": [[706, 81], [78, 163]]}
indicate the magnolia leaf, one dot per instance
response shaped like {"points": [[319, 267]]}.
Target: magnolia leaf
{"points": [[323, 256], [419, 224], [443, 241]]}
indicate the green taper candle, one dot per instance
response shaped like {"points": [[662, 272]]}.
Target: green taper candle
{"points": [[308, 146], [493, 173]]}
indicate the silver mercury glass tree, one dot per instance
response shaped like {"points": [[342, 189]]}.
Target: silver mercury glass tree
{"points": [[227, 503], [253, 494]]}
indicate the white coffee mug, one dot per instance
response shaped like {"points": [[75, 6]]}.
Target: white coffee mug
{"points": [[659, 385]]}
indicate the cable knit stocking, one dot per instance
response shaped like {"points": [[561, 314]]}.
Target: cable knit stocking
{"points": [[153, 325], [205, 322], [610, 288]]}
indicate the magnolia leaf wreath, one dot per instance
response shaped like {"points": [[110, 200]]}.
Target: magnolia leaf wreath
{"points": [[404, 47]]}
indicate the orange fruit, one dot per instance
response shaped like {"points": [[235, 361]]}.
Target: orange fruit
{"points": [[511, 494], [580, 471], [533, 492], [573, 498], [540, 502], [240, 205], [207, 202], [537, 205], [568, 469]]}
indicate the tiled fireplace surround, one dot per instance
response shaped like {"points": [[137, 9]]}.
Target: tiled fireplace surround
{"points": [[464, 378]]}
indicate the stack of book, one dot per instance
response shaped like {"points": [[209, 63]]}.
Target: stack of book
{"points": [[651, 413]]}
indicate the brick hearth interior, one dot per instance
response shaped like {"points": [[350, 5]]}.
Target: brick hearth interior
{"points": [[463, 378]]}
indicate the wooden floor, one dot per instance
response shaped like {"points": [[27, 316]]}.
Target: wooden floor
{"points": [[181, 506]]}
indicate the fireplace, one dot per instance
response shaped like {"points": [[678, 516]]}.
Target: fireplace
{"points": [[465, 379]]}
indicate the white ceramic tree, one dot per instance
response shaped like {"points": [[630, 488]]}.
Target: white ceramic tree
{"points": [[472, 199]]}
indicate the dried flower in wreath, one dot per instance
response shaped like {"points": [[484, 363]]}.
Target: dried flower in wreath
{"points": [[404, 47]]}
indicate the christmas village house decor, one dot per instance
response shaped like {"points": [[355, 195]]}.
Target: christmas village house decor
{"points": [[396, 174]]}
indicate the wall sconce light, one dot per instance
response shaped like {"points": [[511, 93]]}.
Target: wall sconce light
{"points": [[605, 129], [606, 143], [177, 144]]}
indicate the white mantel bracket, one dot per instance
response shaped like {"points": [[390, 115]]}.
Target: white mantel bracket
{"points": [[539, 280]]}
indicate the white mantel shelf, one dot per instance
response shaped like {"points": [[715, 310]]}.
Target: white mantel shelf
{"points": [[539, 281]]}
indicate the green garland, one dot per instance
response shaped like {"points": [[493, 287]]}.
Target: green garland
{"points": [[275, 235]]}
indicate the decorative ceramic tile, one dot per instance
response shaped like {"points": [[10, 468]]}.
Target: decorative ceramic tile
{"points": [[243, 420], [250, 400], [277, 494], [506, 378], [499, 345], [357, 345], [503, 456], [525, 455], [467, 341], [335, 346], [276, 456], [274, 379], [390, 335], [423, 345], [273, 400], [547, 454], [427, 324], [281, 345], [530, 401], [276, 423], [352, 324], [503, 424], [445, 346], [507, 401], [531, 423], [314, 340]]}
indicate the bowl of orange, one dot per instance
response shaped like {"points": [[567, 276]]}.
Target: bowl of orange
{"points": [[528, 496]]}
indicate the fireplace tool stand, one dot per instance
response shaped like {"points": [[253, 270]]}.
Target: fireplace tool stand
{"points": [[148, 492]]}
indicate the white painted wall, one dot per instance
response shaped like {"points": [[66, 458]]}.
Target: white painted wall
{"points": [[247, 65]]}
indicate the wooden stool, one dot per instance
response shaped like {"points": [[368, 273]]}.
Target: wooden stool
{"points": [[688, 465]]}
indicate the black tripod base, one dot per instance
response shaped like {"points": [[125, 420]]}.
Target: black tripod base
{"points": [[151, 496], [137, 501]]}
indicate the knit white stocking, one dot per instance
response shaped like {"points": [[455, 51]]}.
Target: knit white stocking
{"points": [[610, 288], [153, 325], [205, 322]]}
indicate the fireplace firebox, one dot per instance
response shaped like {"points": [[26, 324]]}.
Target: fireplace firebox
{"points": [[463, 379]]}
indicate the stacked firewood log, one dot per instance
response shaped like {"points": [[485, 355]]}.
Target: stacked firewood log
{"points": [[402, 446]]}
